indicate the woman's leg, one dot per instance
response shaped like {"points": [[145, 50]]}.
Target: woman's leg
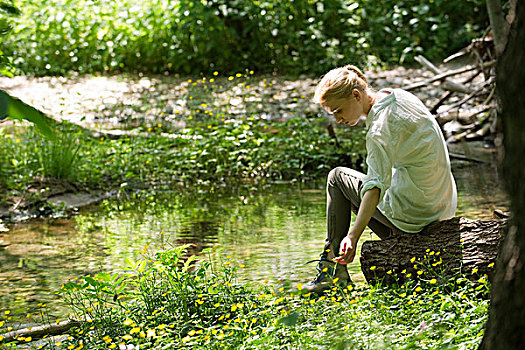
{"points": [[343, 187]]}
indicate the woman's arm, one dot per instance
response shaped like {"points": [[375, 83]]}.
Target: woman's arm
{"points": [[366, 210]]}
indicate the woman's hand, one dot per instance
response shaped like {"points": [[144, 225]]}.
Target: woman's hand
{"points": [[347, 251], [348, 246]]}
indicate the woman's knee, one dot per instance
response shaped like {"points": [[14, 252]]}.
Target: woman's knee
{"points": [[335, 174]]}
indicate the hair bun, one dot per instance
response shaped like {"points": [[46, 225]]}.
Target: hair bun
{"points": [[356, 71]]}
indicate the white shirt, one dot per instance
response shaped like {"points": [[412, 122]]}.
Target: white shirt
{"points": [[408, 161]]}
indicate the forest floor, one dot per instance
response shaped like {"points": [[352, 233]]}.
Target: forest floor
{"points": [[105, 101]]}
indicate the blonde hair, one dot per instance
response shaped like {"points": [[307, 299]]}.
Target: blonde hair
{"points": [[339, 83]]}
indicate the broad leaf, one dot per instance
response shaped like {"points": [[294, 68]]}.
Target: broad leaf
{"points": [[13, 108]]}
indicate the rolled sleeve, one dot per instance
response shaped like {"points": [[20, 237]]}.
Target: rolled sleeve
{"points": [[379, 163]]}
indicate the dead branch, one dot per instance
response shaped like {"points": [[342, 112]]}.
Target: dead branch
{"points": [[444, 75], [40, 332], [447, 84]]}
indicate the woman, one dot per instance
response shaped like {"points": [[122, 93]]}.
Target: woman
{"points": [[408, 184]]}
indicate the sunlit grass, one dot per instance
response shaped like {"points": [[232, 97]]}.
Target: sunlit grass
{"points": [[166, 300]]}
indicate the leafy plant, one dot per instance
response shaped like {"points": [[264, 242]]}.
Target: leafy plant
{"points": [[13, 108], [183, 36], [7, 11], [169, 300], [57, 157]]}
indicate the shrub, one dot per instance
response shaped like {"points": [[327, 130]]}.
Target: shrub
{"points": [[187, 36]]}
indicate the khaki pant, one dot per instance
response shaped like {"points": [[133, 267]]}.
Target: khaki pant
{"points": [[342, 189]]}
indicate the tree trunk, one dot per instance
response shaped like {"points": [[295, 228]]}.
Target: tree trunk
{"points": [[445, 246], [505, 328], [497, 23]]}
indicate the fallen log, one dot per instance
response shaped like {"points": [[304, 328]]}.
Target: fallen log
{"points": [[443, 247], [39, 332]]}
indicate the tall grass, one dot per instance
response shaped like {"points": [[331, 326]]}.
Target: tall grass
{"points": [[58, 158]]}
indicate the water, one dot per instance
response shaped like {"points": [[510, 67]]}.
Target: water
{"points": [[273, 230]]}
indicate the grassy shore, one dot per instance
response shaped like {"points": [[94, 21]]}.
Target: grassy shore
{"points": [[168, 301]]}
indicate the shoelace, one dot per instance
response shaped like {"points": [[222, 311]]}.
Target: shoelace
{"points": [[320, 272]]}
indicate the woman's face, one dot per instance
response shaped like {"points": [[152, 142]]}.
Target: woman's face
{"points": [[346, 110]]}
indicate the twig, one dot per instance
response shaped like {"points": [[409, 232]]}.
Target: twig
{"points": [[464, 157], [471, 95]]}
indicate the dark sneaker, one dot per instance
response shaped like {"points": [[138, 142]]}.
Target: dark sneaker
{"points": [[328, 274]]}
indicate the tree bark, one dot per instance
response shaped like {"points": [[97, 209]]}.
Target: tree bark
{"points": [[445, 246], [505, 328], [497, 23]]}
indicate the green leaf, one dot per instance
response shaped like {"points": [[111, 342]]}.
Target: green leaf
{"points": [[290, 320], [13, 108]]}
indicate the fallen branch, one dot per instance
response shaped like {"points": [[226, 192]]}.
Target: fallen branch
{"points": [[444, 75], [40, 332], [464, 117], [464, 157], [447, 84], [471, 95]]}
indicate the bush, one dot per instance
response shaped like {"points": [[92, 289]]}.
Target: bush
{"points": [[7, 12], [188, 36]]}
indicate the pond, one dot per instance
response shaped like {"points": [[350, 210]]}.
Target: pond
{"points": [[271, 229]]}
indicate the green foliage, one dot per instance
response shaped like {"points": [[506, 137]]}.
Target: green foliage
{"points": [[57, 157], [435, 28], [189, 36], [13, 108], [7, 12], [210, 151], [169, 300]]}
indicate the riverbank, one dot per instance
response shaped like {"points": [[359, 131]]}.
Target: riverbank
{"points": [[135, 132]]}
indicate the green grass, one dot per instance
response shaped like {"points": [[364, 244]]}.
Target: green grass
{"points": [[167, 301], [210, 151]]}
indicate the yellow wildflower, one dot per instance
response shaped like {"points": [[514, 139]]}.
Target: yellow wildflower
{"points": [[372, 268], [432, 281]]}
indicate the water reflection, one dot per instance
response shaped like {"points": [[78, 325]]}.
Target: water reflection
{"points": [[272, 230]]}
